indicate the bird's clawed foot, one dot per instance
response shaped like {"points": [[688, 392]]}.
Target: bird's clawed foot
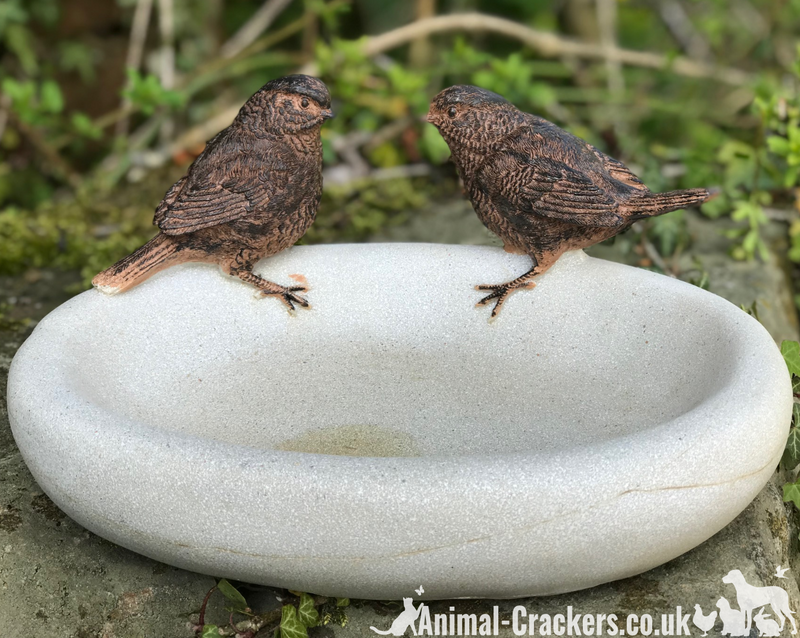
{"points": [[500, 292], [286, 294]]}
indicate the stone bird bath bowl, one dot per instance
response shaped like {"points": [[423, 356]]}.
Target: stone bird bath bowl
{"points": [[391, 436]]}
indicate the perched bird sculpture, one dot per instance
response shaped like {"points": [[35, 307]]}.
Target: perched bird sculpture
{"points": [[542, 190], [251, 193]]}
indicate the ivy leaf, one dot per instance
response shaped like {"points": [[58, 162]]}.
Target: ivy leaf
{"points": [[290, 626], [791, 492], [52, 101], [778, 145], [84, 126], [210, 631], [238, 602], [791, 455], [791, 176], [791, 355], [146, 92], [342, 602], [19, 41], [309, 616], [434, 146]]}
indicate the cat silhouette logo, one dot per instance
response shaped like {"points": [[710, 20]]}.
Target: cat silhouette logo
{"points": [[406, 619], [739, 622]]}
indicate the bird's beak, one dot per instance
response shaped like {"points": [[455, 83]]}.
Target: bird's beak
{"points": [[430, 118], [327, 114]]}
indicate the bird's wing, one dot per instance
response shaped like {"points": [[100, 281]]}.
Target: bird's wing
{"points": [[228, 180], [548, 188], [619, 171]]}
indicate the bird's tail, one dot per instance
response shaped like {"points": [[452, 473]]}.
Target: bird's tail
{"points": [[653, 204], [157, 254]]}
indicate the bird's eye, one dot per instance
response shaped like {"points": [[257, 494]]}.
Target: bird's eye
{"points": [[304, 102], [451, 112]]}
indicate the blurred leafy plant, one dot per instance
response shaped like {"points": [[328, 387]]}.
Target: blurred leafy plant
{"points": [[676, 133], [755, 171], [791, 455], [293, 620], [37, 103], [146, 93]]}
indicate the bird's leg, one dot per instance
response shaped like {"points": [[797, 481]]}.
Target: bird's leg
{"points": [[501, 291], [244, 271]]}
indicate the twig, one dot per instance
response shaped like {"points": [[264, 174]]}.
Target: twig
{"points": [[656, 257], [674, 16], [750, 18], [420, 52], [547, 44], [401, 172], [254, 27], [607, 23], [51, 156], [651, 251], [113, 166], [615, 80], [202, 620], [166, 24], [205, 130], [5, 107], [268, 41], [141, 20], [310, 31], [780, 214], [249, 627]]}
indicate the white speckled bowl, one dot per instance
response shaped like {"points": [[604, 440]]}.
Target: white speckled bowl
{"points": [[607, 421]]}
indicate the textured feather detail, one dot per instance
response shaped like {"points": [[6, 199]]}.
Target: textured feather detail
{"points": [[551, 189], [652, 204], [619, 171], [157, 254]]}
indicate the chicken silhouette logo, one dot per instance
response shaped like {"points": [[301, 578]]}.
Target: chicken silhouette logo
{"points": [[702, 621], [406, 619], [766, 601]]}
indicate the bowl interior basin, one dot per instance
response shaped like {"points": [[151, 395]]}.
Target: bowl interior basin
{"points": [[585, 356]]}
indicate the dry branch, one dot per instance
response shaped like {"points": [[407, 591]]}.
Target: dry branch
{"points": [[254, 27], [607, 24], [141, 20], [680, 25], [50, 156], [166, 23], [548, 45]]}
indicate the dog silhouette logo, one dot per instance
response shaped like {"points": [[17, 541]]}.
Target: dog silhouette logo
{"points": [[739, 622], [406, 619], [749, 598]]}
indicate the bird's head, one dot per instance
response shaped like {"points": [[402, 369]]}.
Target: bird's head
{"points": [[292, 104], [471, 117]]}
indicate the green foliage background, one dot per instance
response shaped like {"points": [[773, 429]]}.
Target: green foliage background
{"points": [[90, 144]]}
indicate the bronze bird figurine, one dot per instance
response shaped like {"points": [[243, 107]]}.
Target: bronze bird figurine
{"points": [[252, 192], [542, 190]]}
